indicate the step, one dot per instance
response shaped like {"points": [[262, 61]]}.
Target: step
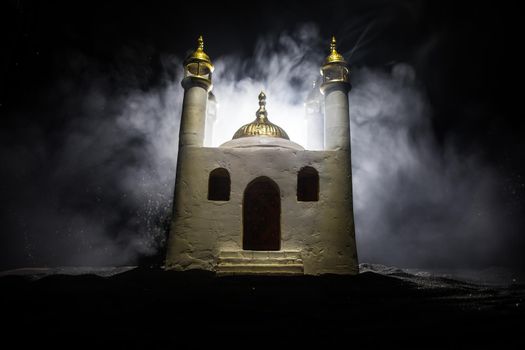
{"points": [[256, 261], [263, 269], [255, 254], [248, 262]]}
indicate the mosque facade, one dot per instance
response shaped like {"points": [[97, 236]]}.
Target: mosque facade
{"points": [[260, 203]]}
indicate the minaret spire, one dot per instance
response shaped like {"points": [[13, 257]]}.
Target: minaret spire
{"points": [[333, 44]]}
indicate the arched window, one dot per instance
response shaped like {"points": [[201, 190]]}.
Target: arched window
{"points": [[308, 185], [219, 185]]}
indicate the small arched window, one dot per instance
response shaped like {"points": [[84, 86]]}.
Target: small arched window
{"points": [[219, 185], [308, 185]]}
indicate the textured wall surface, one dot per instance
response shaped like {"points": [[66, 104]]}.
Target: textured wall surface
{"points": [[193, 115], [337, 118], [323, 231]]}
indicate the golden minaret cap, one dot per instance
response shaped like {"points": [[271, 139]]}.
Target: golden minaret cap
{"points": [[261, 126], [334, 55], [334, 70], [199, 56]]}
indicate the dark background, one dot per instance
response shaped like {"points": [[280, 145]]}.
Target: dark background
{"points": [[466, 56]]}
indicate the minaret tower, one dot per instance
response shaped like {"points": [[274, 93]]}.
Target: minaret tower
{"points": [[196, 83], [335, 87]]}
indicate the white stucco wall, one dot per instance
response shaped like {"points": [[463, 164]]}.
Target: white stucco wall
{"points": [[323, 231]]}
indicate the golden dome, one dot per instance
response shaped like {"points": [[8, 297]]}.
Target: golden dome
{"points": [[334, 55], [261, 126], [199, 56]]}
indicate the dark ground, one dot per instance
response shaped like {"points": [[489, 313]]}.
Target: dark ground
{"points": [[151, 308]]}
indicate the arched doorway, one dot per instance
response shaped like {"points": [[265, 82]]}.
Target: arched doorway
{"points": [[261, 215]]}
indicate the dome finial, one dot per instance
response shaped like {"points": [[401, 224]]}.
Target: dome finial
{"points": [[200, 41], [333, 44], [262, 99], [261, 112]]}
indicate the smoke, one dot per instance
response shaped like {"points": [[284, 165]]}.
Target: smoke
{"points": [[99, 191], [418, 203], [284, 67]]}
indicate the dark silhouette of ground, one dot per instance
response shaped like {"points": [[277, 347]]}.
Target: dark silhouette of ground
{"points": [[152, 308]]}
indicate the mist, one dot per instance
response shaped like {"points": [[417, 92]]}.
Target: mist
{"points": [[98, 189]]}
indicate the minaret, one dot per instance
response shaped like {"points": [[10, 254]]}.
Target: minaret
{"points": [[335, 87], [196, 83], [314, 119]]}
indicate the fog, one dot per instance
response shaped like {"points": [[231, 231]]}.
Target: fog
{"points": [[98, 190]]}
